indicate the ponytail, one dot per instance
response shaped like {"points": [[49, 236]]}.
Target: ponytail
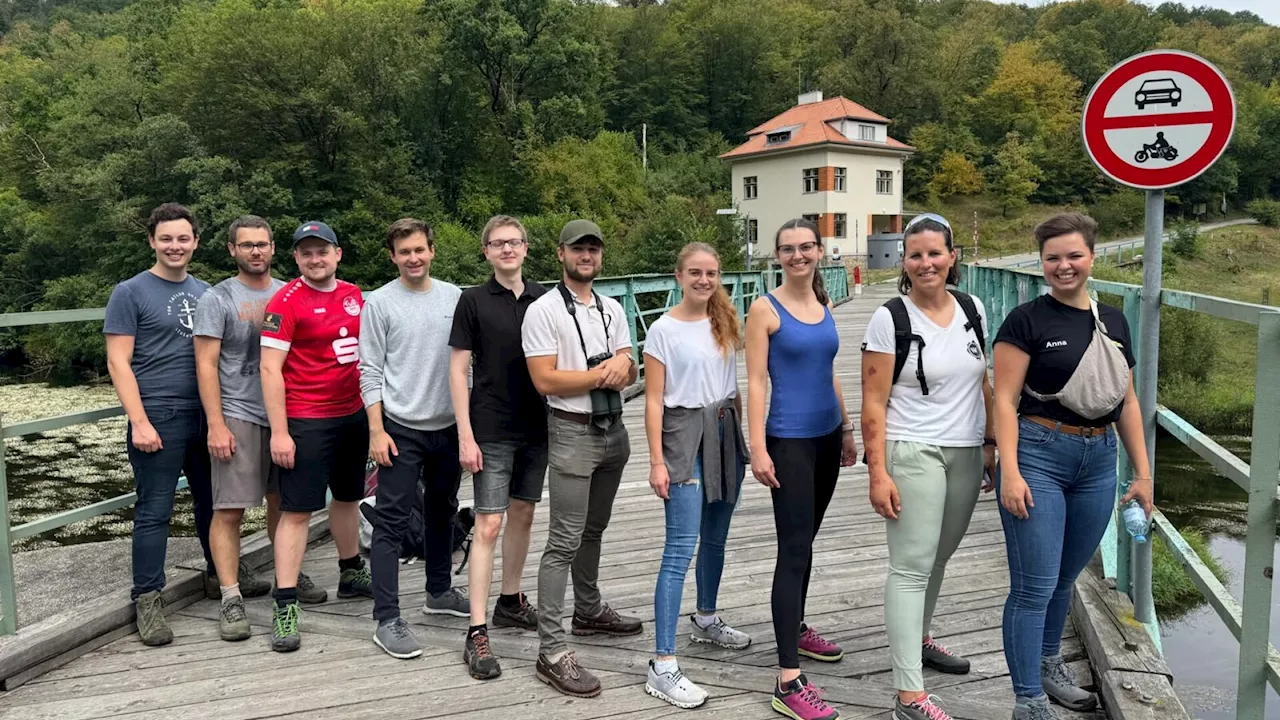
{"points": [[820, 286], [725, 327]]}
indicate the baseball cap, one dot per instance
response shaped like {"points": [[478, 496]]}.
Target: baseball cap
{"points": [[578, 230], [314, 230]]}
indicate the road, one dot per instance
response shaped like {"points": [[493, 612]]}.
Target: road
{"points": [[1033, 258]]}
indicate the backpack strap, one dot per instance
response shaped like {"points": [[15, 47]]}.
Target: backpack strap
{"points": [[902, 339], [974, 322]]}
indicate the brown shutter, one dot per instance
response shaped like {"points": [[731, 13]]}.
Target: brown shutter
{"points": [[826, 179]]}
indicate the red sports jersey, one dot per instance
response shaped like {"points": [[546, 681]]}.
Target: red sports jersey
{"points": [[321, 332]]}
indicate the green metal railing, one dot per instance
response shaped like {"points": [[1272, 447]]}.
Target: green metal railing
{"points": [[1002, 289], [643, 298]]}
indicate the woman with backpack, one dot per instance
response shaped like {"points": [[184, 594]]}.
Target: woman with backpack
{"points": [[799, 449], [1062, 381], [697, 459], [927, 434]]}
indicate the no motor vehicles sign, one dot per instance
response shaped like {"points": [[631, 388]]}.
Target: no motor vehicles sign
{"points": [[1158, 119]]}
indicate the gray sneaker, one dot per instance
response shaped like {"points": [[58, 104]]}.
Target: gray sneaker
{"points": [[153, 629], [1037, 709], [1059, 683], [308, 593], [397, 639], [675, 688], [233, 624], [718, 634], [926, 708], [450, 602]]}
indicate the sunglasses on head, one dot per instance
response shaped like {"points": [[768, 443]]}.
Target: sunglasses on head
{"points": [[928, 216]]}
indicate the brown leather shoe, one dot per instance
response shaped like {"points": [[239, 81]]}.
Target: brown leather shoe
{"points": [[568, 676], [607, 622]]}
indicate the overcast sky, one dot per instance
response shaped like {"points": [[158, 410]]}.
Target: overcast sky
{"points": [[1268, 10]]}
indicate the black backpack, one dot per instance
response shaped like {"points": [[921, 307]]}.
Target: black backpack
{"points": [[415, 537], [903, 336]]}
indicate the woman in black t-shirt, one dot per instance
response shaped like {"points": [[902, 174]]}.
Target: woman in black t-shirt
{"points": [[1057, 474]]}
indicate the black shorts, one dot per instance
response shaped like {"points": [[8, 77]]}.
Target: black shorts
{"points": [[331, 453]]}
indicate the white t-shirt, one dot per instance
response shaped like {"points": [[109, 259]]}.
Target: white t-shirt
{"points": [[697, 374], [952, 414], [549, 330]]}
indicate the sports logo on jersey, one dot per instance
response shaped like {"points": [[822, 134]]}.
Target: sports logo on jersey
{"points": [[973, 350], [346, 349], [351, 306], [271, 322], [183, 305]]}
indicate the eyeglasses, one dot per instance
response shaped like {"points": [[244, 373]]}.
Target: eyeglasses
{"points": [[250, 247], [514, 243], [928, 216], [803, 248]]}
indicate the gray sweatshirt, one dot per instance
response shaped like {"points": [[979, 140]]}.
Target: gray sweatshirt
{"points": [[404, 353]]}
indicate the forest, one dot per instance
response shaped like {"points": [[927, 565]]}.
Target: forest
{"points": [[358, 112]]}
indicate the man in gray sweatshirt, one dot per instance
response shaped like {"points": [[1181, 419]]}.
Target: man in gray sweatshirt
{"points": [[404, 377]]}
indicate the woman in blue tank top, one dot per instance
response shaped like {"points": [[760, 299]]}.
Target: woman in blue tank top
{"points": [[798, 451]]}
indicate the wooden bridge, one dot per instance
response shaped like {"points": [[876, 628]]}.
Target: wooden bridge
{"points": [[339, 673]]}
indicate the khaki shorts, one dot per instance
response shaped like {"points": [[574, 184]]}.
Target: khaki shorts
{"points": [[244, 480]]}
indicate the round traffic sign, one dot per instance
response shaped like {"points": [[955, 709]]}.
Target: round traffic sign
{"points": [[1158, 119]]}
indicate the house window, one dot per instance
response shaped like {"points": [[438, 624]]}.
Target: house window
{"points": [[866, 132], [811, 218], [810, 180], [839, 179], [884, 182], [749, 188], [841, 222], [777, 137], [753, 233]]}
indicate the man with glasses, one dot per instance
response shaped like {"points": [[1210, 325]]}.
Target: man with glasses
{"points": [[404, 369], [502, 433], [578, 349]]}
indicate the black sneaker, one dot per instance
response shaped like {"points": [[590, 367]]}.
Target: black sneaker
{"points": [[308, 592], [480, 660], [355, 583], [934, 654], [523, 615], [284, 633]]}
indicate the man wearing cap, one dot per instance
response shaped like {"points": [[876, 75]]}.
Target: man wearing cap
{"points": [[578, 349], [319, 432], [404, 375]]}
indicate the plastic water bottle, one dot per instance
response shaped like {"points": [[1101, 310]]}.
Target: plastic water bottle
{"points": [[1135, 520]]}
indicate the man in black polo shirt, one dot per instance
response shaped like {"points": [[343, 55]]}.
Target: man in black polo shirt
{"points": [[502, 433]]}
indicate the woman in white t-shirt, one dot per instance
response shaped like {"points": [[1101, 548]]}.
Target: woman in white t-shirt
{"points": [[927, 436], [697, 459]]}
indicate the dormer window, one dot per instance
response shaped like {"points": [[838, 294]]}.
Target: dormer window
{"points": [[775, 138]]}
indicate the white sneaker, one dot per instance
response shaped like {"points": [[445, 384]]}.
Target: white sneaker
{"points": [[674, 688]]}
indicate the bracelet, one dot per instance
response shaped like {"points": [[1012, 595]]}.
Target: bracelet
{"points": [[846, 427]]}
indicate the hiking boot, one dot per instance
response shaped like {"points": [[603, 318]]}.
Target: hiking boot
{"points": [[284, 627], [355, 583], [233, 624], [251, 585], [926, 708], [450, 602], [934, 655], [675, 688], [396, 639], [1059, 683], [523, 615], [802, 701], [153, 629], [607, 622], [308, 593], [718, 634], [813, 645], [479, 657], [568, 676], [1037, 709]]}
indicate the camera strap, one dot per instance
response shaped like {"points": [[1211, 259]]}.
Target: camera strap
{"points": [[573, 313]]}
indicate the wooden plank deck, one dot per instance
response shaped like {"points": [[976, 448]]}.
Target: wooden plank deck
{"points": [[339, 673]]}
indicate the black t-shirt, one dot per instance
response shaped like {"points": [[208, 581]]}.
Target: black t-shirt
{"points": [[1055, 336], [504, 403]]}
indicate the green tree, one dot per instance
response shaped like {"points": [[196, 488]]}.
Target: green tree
{"points": [[1014, 176], [956, 176]]}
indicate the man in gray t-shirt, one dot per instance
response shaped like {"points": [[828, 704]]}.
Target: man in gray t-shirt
{"points": [[152, 364]]}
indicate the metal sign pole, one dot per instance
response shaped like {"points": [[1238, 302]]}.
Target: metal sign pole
{"points": [[1148, 365]]}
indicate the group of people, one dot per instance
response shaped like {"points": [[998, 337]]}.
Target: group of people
{"points": [[259, 389]]}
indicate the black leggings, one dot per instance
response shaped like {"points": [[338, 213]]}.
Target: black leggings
{"points": [[806, 469]]}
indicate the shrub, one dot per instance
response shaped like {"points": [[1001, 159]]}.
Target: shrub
{"points": [[1174, 593], [1185, 240], [1266, 212], [1189, 343], [1123, 210]]}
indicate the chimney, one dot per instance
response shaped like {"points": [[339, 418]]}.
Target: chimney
{"points": [[813, 96]]}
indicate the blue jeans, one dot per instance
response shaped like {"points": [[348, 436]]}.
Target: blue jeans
{"points": [[689, 516], [1073, 485], [155, 476]]}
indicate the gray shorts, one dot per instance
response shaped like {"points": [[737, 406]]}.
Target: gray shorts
{"points": [[242, 482], [511, 470]]}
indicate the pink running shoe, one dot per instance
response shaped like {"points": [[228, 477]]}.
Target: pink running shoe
{"points": [[813, 645], [802, 701]]}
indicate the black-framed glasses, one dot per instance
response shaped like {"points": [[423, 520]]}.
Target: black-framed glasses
{"points": [[250, 247], [514, 243], [804, 248]]}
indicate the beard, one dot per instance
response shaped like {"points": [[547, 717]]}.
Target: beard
{"points": [[578, 276], [248, 269]]}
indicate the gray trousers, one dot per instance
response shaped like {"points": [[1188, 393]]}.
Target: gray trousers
{"points": [[584, 469]]}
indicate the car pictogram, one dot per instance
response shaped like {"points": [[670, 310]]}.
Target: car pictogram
{"points": [[1156, 91]]}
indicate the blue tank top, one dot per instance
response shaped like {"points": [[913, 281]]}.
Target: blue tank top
{"points": [[803, 401]]}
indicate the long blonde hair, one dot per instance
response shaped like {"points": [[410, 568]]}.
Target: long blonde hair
{"points": [[725, 327]]}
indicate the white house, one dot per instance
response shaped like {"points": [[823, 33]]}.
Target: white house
{"points": [[831, 161]]}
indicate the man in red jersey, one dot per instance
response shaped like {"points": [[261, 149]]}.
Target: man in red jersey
{"points": [[319, 430]]}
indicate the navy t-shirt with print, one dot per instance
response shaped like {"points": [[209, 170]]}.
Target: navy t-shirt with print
{"points": [[1055, 336], [160, 315]]}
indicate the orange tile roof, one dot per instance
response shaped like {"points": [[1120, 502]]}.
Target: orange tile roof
{"points": [[811, 128]]}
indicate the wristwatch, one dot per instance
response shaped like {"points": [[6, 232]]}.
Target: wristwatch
{"points": [[988, 441]]}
